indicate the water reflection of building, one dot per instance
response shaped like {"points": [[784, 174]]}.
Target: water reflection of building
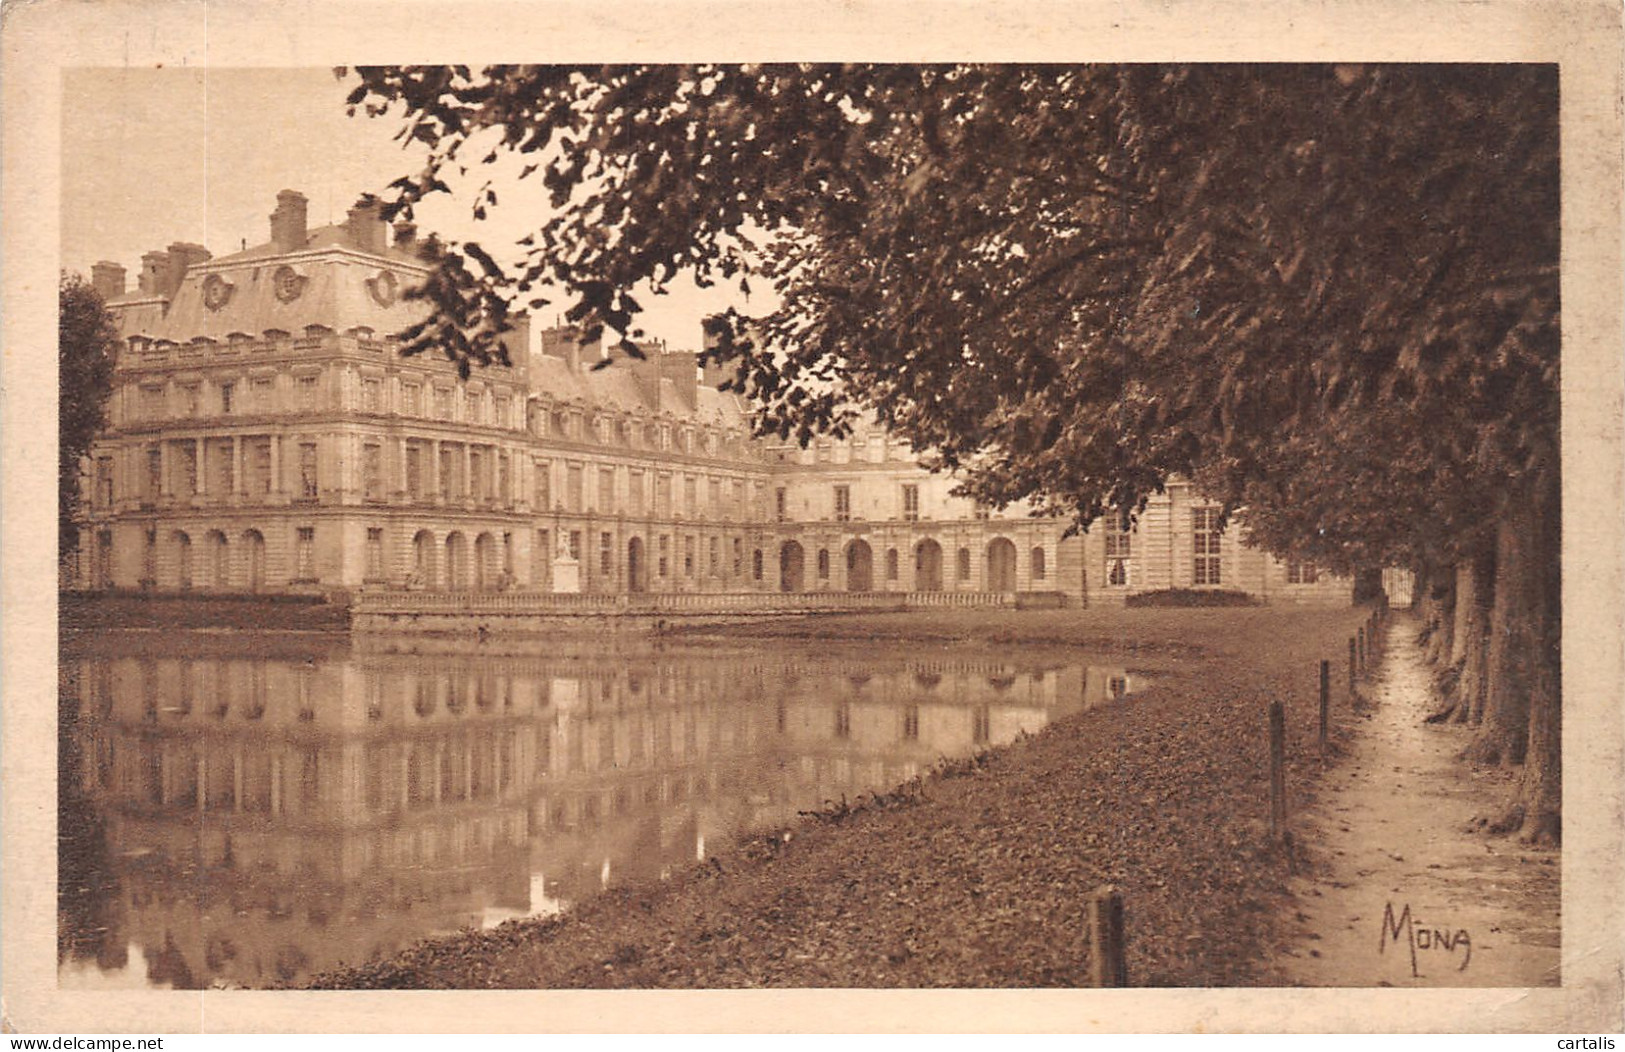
{"points": [[270, 817]]}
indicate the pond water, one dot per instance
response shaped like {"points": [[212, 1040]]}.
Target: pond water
{"points": [[230, 817]]}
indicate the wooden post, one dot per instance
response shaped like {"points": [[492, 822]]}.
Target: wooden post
{"points": [[1277, 772], [1361, 637], [1353, 668], [1108, 963], [1325, 701]]}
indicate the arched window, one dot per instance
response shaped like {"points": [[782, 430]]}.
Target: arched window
{"points": [[891, 564], [823, 564], [964, 564], [1038, 564]]}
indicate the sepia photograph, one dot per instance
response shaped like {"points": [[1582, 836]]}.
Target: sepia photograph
{"points": [[951, 524]]}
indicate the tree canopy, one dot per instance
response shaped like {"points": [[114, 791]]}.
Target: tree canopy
{"points": [[1067, 281], [86, 338]]}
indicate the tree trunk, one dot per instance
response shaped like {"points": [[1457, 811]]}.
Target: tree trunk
{"points": [[1440, 614], [1537, 807], [1474, 595], [1504, 733]]}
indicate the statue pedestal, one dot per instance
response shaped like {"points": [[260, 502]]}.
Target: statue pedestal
{"points": [[566, 575]]}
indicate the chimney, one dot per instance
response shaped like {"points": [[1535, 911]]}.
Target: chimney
{"points": [[646, 371], [288, 221], [680, 368], [183, 256], [367, 227], [517, 340], [107, 279], [561, 342], [715, 374], [155, 268], [406, 236]]}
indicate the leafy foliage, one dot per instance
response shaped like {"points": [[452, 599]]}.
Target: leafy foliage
{"points": [[1331, 291], [86, 338]]}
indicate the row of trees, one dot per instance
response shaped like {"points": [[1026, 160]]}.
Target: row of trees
{"points": [[1328, 293]]}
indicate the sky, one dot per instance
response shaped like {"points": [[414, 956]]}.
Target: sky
{"points": [[155, 156]]}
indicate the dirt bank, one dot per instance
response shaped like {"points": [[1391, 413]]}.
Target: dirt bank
{"points": [[980, 876]]}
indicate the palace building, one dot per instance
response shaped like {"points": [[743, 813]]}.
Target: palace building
{"points": [[265, 435]]}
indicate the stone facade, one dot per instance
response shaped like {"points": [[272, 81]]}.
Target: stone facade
{"points": [[265, 435]]}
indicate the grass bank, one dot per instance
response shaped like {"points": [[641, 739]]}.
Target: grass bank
{"points": [[979, 875]]}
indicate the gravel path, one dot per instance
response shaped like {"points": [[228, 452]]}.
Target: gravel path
{"points": [[1398, 865], [979, 876]]}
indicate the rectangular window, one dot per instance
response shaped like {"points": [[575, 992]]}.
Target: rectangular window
{"points": [[263, 395], [980, 725], [304, 554], [575, 545], [573, 499], [372, 395], [471, 407], [911, 723], [664, 547], [543, 499], [155, 473], [606, 555], [1206, 530], [781, 505], [634, 492], [1301, 573], [225, 470], [714, 556], [372, 470], [542, 558], [414, 469], [152, 402], [911, 503], [189, 399], [980, 513], [307, 470], [504, 479], [449, 455], [442, 403], [663, 496], [259, 465], [606, 491], [690, 498], [504, 409], [1119, 548], [104, 481], [688, 556], [476, 473], [739, 556], [843, 503], [411, 399], [891, 564], [227, 391], [964, 564], [306, 388], [375, 553], [713, 496], [186, 484]]}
